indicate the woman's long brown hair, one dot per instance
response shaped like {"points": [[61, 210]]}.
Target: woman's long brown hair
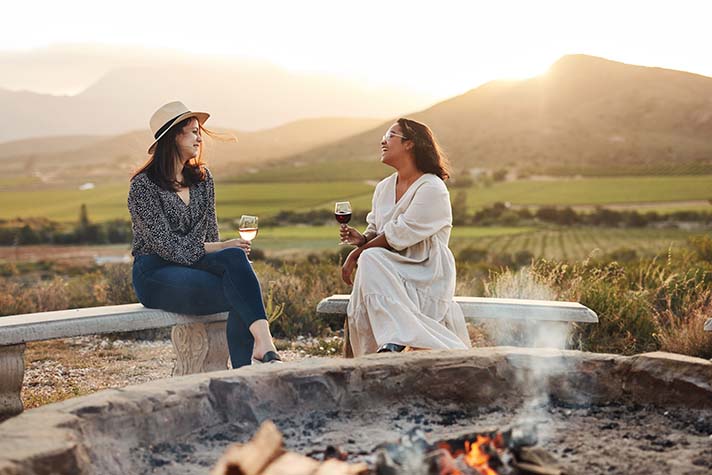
{"points": [[161, 165], [429, 157]]}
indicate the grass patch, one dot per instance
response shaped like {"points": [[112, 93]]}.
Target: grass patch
{"points": [[108, 201], [593, 191]]}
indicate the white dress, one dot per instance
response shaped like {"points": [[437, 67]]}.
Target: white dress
{"points": [[405, 296]]}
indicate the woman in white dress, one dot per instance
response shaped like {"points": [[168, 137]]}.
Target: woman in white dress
{"points": [[403, 291]]}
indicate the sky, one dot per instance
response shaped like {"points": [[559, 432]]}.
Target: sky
{"points": [[439, 48]]}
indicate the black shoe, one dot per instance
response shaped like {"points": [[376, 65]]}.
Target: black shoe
{"points": [[391, 348], [269, 357]]}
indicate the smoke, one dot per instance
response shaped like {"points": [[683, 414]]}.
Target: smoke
{"points": [[524, 284], [535, 371]]}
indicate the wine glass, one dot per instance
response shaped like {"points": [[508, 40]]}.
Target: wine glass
{"points": [[342, 213], [248, 228]]}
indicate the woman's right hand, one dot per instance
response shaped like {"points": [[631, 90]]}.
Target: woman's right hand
{"points": [[351, 236]]}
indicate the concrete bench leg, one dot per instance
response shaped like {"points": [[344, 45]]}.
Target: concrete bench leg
{"points": [[199, 347], [12, 371]]}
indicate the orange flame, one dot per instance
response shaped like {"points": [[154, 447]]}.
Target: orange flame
{"points": [[476, 455]]}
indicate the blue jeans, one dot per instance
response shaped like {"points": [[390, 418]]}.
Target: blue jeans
{"points": [[220, 281]]}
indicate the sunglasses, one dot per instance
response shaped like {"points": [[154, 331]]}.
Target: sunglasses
{"points": [[390, 134]]}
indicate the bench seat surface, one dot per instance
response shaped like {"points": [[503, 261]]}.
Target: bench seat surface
{"points": [[18, 329], [475, 308]]}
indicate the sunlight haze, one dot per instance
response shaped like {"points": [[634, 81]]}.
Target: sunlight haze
{"points": [[437, 49]]}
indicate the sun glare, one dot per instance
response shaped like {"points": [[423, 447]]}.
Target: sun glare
{"points": [[438, 49]]}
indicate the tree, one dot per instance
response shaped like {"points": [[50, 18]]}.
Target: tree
{"points": [[87, 232], [83, 224]]}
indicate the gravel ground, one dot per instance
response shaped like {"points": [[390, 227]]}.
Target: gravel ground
{"points": [[60, 369]]}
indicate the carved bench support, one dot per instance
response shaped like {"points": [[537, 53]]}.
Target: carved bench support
{"points": [[199, 347], [12, 369]]}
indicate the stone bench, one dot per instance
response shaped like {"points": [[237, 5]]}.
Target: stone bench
{"points": [[477, 309], [199, 341]]}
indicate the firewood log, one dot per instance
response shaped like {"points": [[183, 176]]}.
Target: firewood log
{"points": [[253, 457], [291, 464]]}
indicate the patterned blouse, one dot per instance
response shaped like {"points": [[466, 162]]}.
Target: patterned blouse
{"points": [[164, 225]]}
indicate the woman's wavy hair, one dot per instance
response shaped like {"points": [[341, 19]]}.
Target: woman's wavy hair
{"points": [[161, 164], [429, 157]]}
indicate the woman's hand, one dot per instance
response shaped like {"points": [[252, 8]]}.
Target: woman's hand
{"points": [[351, 236], [347, 270], [237, 242]]}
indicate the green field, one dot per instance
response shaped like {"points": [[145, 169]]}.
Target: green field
{"points": [[665, 190], [554, 243], [108, 201], [595, 191], [315, 238], [579, 243]]}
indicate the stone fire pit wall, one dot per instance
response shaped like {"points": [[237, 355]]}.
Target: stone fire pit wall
{"points": [[99, 434]]}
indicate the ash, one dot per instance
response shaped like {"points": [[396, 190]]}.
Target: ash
{"points": [[587, 439]]}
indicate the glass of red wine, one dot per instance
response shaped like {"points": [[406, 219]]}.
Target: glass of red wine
{"points": [[342, 213]]}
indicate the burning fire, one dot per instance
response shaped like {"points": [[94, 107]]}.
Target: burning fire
{"points": [[474, 453], [477, 454]]}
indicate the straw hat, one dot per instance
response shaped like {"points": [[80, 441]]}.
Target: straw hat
{"points": [[169, 115]]}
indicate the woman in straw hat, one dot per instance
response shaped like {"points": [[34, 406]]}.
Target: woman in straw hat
{"points": [[180, 264], [403, 292]]}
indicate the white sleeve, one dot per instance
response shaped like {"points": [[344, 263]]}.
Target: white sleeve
{"points": [[426, 215], [371, 216]]}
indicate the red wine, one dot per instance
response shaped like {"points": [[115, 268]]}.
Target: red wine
{"points": [[343, 218]]}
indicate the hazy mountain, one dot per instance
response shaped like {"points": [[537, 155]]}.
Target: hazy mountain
{"points": [[585, 112], [59, 159], [46, 145], [68, 69], [241, 94]]}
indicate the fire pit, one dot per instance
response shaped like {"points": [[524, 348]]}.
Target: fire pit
{"points": [[594, 413]]}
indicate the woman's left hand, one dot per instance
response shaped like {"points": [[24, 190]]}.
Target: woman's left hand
{"points": [[239, 243], [347, 270]]}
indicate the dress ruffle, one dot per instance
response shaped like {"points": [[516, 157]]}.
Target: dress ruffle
{"points": [[379, 319]]}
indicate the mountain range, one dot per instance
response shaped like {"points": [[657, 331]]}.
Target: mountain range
{"points": [[241, 94], [81, 158], [585, 113]]}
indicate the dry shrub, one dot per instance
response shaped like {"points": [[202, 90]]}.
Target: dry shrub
{"points": [[13, 299], [521, 284], [525, 284], [479, 335], [684, 332], [110, 285], [298, 287], [116, 285], [48, 296]]}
